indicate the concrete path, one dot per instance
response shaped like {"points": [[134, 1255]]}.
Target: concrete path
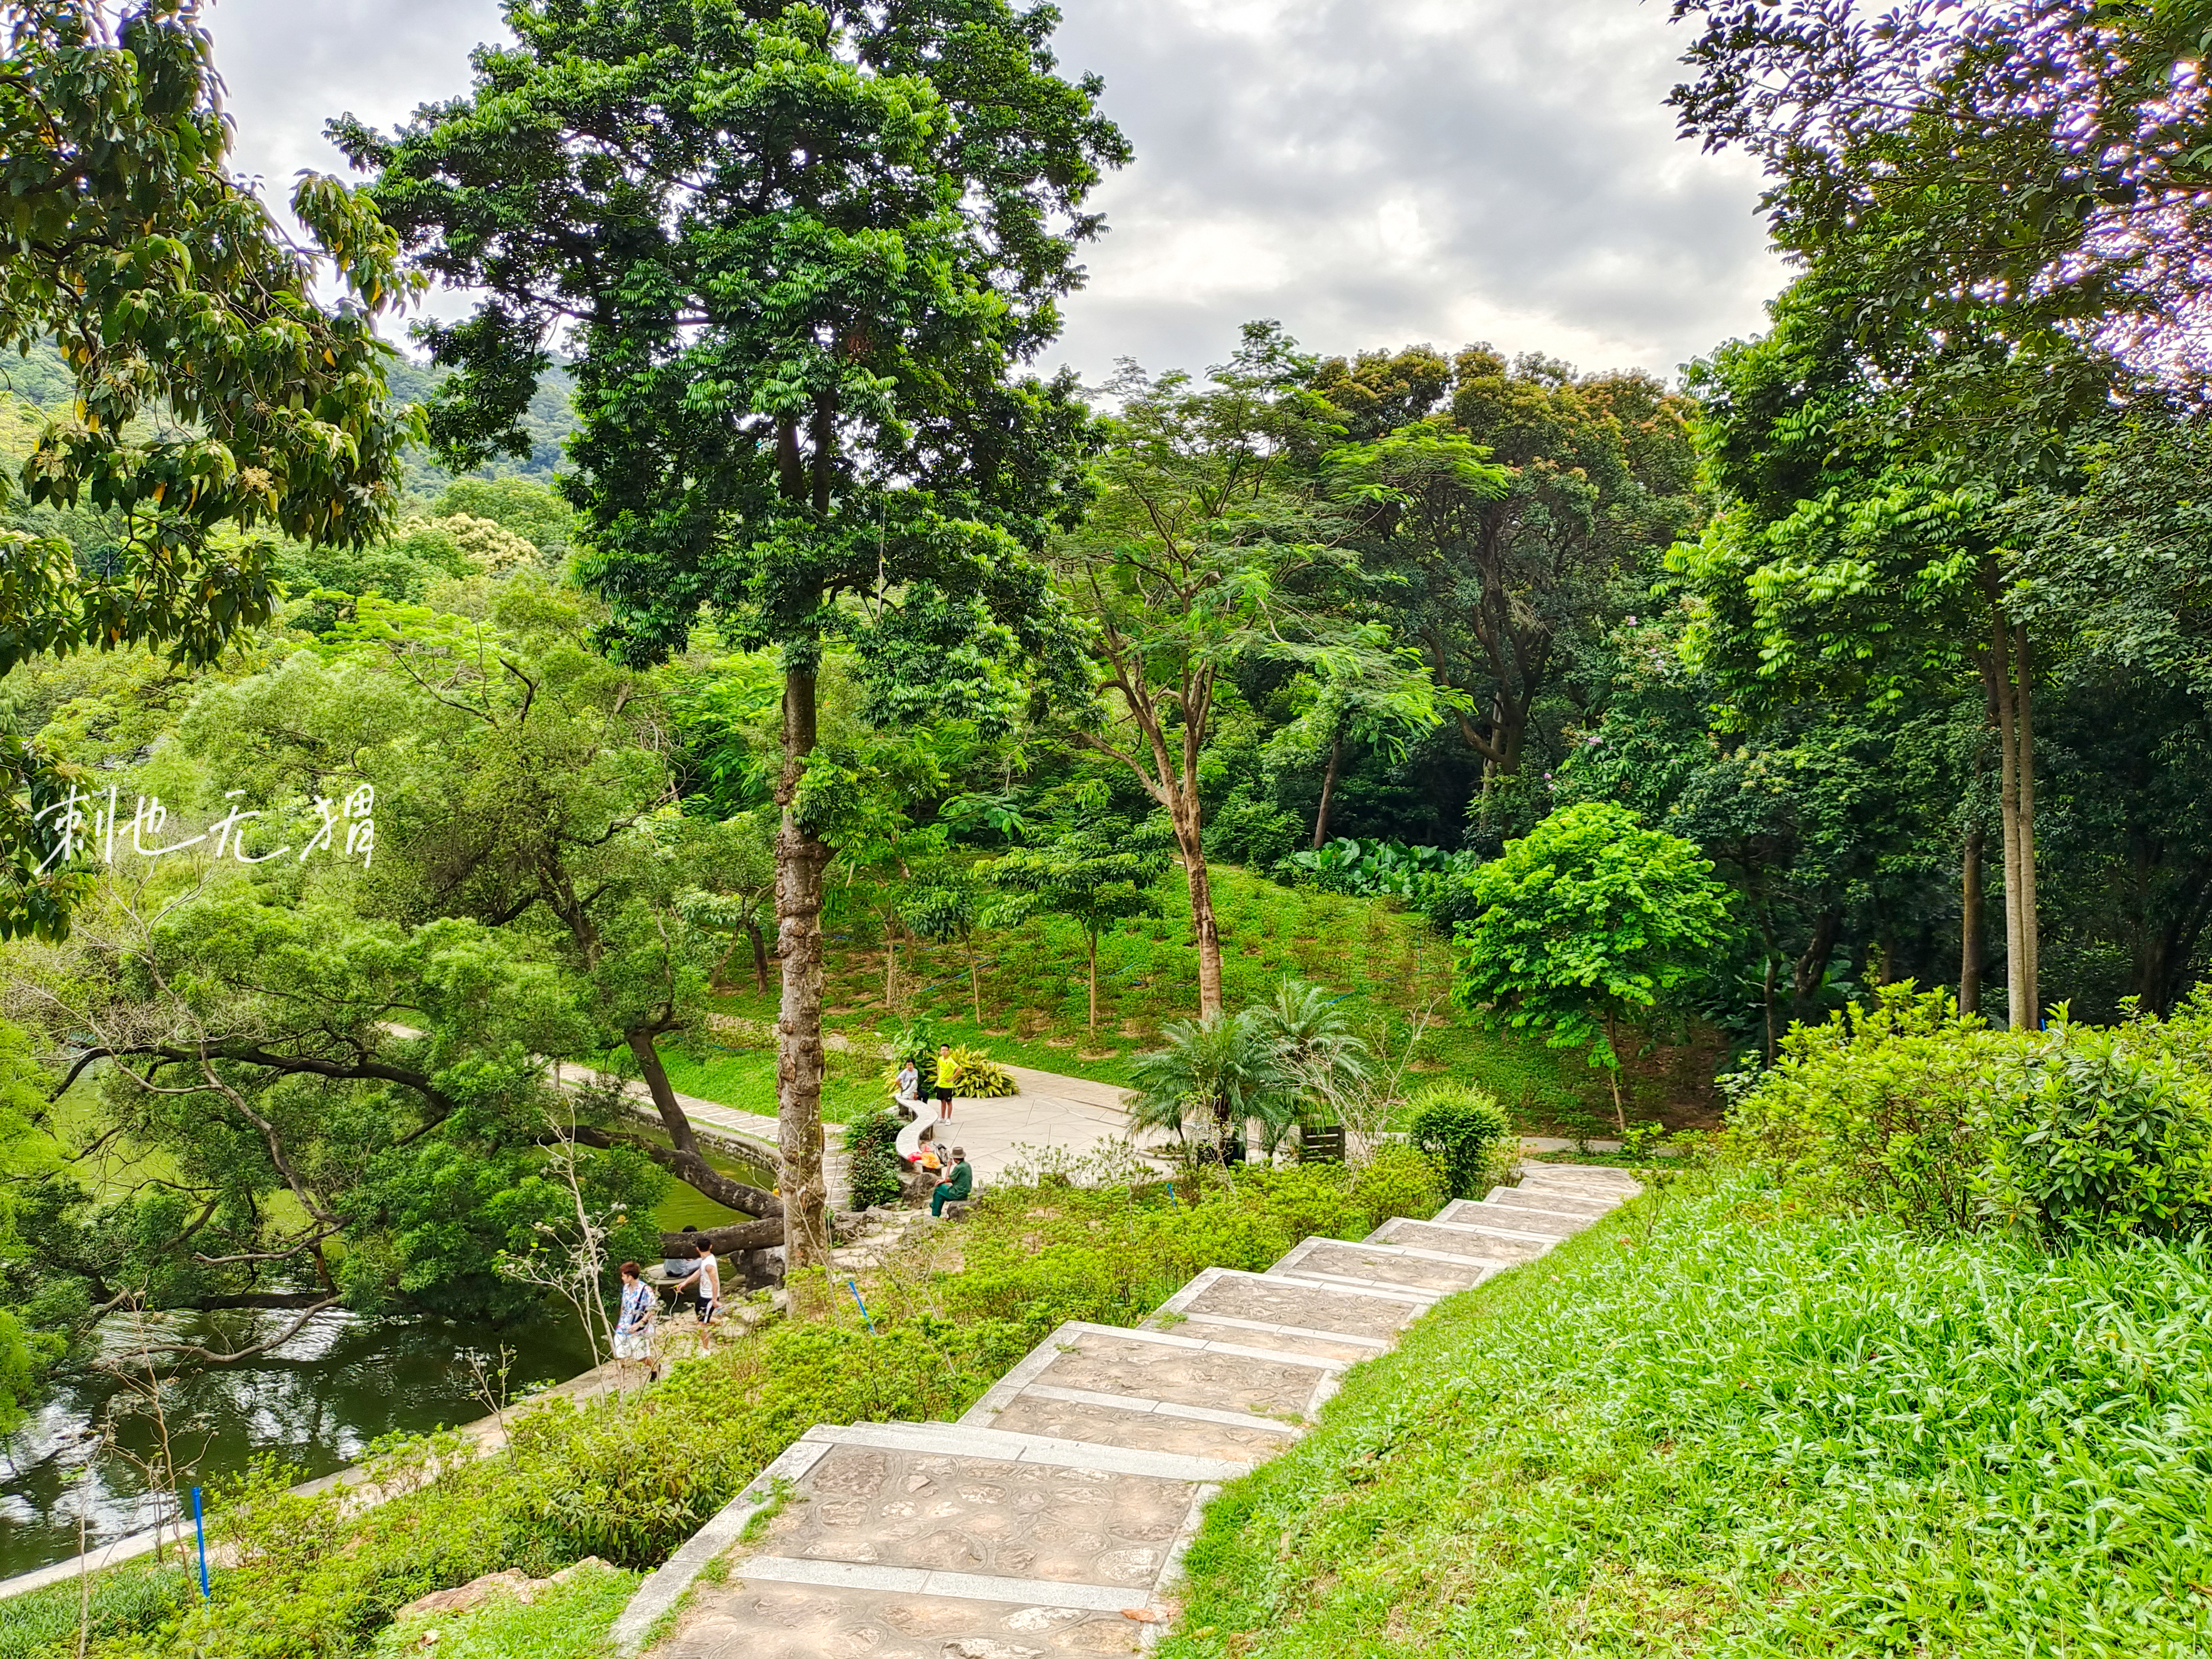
{"points": [[1053, 1516], [1072, 1114]]}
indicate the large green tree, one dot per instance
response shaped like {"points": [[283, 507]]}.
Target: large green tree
{"points": [[214, 393], [798, 252], [1210, 547], [1505, 527], [1589, 921]]}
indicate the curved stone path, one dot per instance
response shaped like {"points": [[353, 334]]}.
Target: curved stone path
{"points": [[1052, 1518]]}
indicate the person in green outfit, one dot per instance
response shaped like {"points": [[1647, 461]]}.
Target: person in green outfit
{"points": [[954, 1188]]}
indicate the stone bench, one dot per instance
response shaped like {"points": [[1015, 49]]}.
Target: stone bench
{"points": [[917, 1129]]}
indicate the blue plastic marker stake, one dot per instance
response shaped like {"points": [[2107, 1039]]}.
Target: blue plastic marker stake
{"points": [[199, 1526], [861, 1305]]}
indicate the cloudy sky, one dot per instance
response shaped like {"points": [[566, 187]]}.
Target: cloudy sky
{"points": [[1371, 174]]}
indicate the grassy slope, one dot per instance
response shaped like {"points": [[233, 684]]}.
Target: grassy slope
{"points": [[1703, 1428], [1386, 965]]}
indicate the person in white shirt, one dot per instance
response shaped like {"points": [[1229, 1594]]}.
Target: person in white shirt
{"points": [[907, 1089], [708, 1277]]}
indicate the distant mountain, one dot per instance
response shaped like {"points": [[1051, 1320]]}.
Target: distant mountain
{"points": [[549, 421], [42, 379]]}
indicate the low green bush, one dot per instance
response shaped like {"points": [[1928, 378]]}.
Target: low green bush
{"points": [[873, 1168], [2102, 1133], [1466, 1132], [1945, 1124], [1400, 1180]]}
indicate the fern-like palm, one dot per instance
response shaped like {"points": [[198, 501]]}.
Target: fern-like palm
{"points": [[1214, 1073]]}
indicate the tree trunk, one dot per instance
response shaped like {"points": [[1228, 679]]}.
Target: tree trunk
{"points": [[1093, 941], [890, 964], [2031, 930], [760, 957], [738, 1236], [975, 981], [1773, 962], [802, 859], [695, 1172], [1612, 1076], [1970, 924], [673, 1118], [2006, 670], [1203, 926], [1327, 789]]}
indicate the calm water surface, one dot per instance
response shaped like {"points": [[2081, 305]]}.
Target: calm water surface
{"points": [[313, 1404]]}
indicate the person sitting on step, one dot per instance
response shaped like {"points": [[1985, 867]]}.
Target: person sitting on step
{"points": [[955, 1188]]}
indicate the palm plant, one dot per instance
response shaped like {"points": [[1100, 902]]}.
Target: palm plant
{"points": [[1214, 1073], [1316, 1038]]}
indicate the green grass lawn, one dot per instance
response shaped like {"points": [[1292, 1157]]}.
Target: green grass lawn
{"points": [[1711, 1426], [1388, 966]]}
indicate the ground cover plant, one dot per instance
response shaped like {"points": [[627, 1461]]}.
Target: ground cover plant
{"points": [[1726, 1423], [630, 1479]]}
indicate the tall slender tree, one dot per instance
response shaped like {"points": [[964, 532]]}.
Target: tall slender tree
{"points": [[1209, 536], [798, 252]]}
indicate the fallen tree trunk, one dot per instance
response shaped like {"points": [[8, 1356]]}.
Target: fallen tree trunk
{"points": [[723, 1241]]}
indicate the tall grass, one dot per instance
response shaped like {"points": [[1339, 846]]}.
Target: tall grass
{"points": [[1715, 1426]]}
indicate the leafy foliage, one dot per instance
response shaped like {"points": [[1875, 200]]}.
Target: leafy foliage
{"points": [[973, 1075], [1588, 920], [1466, 1132], [170, 291], [873, 1167], [2071, 1133]]}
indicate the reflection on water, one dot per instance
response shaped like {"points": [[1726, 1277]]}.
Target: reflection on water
{"points": [[314, 1404]]}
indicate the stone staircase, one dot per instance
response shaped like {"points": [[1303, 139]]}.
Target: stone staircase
{"points": [[1053, 1516]]}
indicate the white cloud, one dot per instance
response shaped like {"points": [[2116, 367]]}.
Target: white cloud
{"points": [[1371, 174]]}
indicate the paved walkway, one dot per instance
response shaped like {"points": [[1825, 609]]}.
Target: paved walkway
{"points": [[1052, 1518], [1072, 1114]]}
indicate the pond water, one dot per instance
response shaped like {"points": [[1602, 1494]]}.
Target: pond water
{"points": [[313, 1404]]}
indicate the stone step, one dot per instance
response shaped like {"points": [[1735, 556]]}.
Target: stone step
{"points": [[1170, 1369], [1581, 1177], [951, 1540], [967, 1440], [1113, 1419], [1502, 1244], [894, 1508], [1514, 1218], [762, 1620], [1373, 1265], [1338, 1322], [1556, 1199]]}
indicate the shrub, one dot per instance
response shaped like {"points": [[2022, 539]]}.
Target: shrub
{"points": [[1397, 1179], [2101, 1135], [1887, 1109], [1944, 1124], [1465, 1133], [975, 1076], [873, 1168]]}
